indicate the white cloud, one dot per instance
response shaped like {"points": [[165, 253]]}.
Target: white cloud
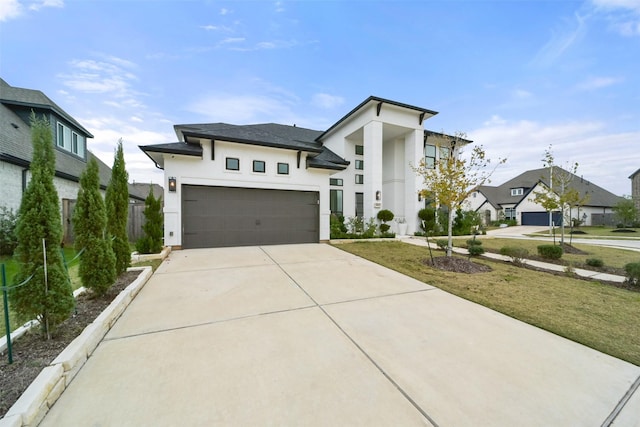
{"points": [[10, 9], [521, 94], [224, 11], [279, 6], [606, 159], [561, 41], [617, 4], [598, 83], [324, 100], [37, 5]]}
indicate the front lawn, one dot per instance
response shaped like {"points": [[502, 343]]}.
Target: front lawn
{"points": [[610, 256], [593, 231], [599, 316]]}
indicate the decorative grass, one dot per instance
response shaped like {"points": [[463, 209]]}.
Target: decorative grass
{"points": [[599, 316]]}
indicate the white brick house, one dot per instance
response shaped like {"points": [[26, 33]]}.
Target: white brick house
{"points": [[230, 185]]}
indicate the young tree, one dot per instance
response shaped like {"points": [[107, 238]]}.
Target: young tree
{"points": [[626, 211], [559, 194], [97, 262], [152, 241], [117, 203], [47, 296], [453, 179]]}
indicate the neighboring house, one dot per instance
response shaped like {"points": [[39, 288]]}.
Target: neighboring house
{"points": [[16, 149], [230, 185], [514, 200], [635, 188]]}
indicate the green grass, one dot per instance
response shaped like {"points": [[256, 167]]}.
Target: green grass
{"points": [[599, 316], [612, 257]]}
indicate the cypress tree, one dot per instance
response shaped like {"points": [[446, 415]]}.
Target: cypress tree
{"points": [[97, 262], [117, 203], [151, 243], [47, 297]]}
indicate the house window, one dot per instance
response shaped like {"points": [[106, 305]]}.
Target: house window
{"points": [[359, 179], [335, 181], [360, 205], [360, 150], [74, 142], [232, 164], [430, 156], [259, 166], [445, 152], [509, 213], [335, 201], [360, 164], [283, 168], [517, 191], [60, 135]]}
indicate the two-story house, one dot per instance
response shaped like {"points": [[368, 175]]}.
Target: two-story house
{"points": [[234, 185], [16, 149]]}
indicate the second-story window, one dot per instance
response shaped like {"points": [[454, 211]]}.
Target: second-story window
{"points": [[283, 168], [430, 156], [360, 150], [359, 164]]}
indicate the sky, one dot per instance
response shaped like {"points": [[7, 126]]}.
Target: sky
{"points": [[517, 77]]}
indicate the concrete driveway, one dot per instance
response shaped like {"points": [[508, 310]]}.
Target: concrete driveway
{"points": [[311, 335]]}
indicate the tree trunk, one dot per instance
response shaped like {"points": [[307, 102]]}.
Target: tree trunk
{"points": [[450, 232]]}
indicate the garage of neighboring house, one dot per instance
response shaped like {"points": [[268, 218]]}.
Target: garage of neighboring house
{"points": [[229, 216], [540, 218]]}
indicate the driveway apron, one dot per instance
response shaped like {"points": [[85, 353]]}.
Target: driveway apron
{"points": [[311, 335]]}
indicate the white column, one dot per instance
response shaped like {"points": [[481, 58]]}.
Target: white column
{"points": [[372, 140], [413, 151]]}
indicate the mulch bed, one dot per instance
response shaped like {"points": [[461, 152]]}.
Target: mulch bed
{"points": [[456, 265], [32, 352]]}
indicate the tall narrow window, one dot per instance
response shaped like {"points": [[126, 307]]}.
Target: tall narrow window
{"points": [[430, 156], [232, 164], [359, 164], [359, 179], [60, 135], [335, 201], [360, 150], [74, 142], [360, 205]]}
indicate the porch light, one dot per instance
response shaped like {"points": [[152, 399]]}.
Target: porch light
{"points": [[172, 184]]}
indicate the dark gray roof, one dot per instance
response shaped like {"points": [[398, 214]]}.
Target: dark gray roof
{"points": [[501, 195], [266, 135], [15, 134], [156, 151], [421, 112], [634, 174], [35, 99], [141, 190]]}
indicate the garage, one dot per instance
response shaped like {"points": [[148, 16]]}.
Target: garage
{"points": [[540, 218], [227, 216]]}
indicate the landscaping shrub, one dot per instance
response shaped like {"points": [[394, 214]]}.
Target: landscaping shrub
{"points": [[550, 251], [384, 215], [475, 250], [516, 254], [594, 262], [428, 219], [442, 243], [633, 273], [8, 239], [151, 243], [474, 242], [337, 227], [384, 228]]}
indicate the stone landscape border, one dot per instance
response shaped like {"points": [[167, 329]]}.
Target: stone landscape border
{"points": [[43, 392]]}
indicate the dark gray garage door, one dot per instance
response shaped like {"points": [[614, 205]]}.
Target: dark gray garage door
{"points": [[223, 216], [540, 218]]}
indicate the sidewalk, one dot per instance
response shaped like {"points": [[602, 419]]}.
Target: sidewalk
{"points": [[420, 241]]}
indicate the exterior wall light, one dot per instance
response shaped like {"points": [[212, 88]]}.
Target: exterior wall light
{"points": [[172, 184]]}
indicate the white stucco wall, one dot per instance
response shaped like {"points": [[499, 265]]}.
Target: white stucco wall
{"points": [[190, 170]]}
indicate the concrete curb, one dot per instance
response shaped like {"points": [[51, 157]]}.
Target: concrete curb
{"points": [[43, 392]]}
